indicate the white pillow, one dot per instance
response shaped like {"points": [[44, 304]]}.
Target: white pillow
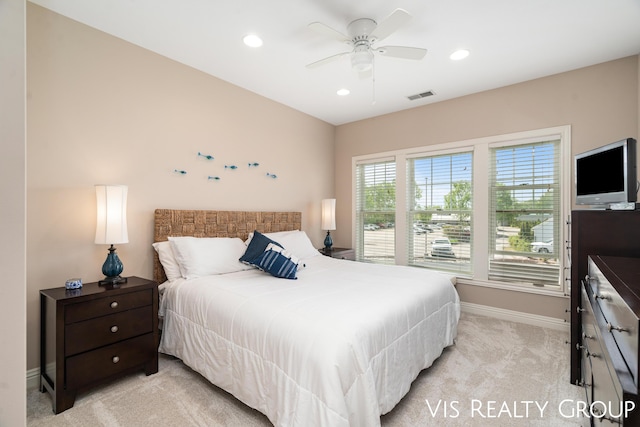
{"points": [[272, 236], [297, 243], [168, 261], [204, 256]]}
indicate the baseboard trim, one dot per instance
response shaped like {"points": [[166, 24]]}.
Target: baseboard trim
{"points": [[33, 378], [515, 316]]}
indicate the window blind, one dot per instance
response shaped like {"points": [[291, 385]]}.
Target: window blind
{"points": [[524, 217], [375, 211], [439, 211]]}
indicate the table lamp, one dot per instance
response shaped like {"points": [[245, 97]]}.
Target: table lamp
{"points": [[328, 221], [111, 228]]}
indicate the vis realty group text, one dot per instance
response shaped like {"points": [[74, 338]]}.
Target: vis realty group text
{"points": [[568, 408]]}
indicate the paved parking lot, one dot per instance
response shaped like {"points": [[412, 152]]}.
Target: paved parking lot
{"points": [[376, 240]]}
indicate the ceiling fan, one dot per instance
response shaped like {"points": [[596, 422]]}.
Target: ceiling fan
{"points": [[363, 34]]}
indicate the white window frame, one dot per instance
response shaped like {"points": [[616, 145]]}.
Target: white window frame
{"points": [[358, 240], [415, 156], [481, 201]]}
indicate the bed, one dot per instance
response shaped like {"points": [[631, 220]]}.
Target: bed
{"points": [[338, 346]]}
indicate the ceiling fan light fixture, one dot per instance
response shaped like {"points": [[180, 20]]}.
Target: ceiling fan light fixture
{"points": [[363, 33], [252, 40], [362, 59]]}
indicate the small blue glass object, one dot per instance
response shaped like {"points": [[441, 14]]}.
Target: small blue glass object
{"points": [[72, 284]]}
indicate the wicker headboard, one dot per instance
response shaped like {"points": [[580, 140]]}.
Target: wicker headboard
{"points": [[202, 223]]}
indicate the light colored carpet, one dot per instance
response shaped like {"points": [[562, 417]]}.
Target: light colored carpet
{"points": [[484, 380]]}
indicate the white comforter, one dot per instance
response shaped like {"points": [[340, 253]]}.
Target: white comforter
{"points": [[338, 347]]}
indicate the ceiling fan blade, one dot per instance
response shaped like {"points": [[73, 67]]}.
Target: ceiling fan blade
{"points": [[402, 52], [321, 28], [397, 19], [327, 60]]}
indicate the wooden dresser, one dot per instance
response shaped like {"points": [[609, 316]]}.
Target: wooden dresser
{"points": [[94, 334], [605, 233], [610, 309]]}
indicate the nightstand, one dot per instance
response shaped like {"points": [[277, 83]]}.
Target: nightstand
{"points": [[340, 253], [94, 334]]}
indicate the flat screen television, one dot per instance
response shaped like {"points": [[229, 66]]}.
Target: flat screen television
{"points": [[607, 175]]}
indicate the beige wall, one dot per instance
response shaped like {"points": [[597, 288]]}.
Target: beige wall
{"points": [[599, 102], [101, 110], [12, 213]]}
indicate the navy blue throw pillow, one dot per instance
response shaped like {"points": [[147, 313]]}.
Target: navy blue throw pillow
{"points": [[257, 246], [277, 264]]}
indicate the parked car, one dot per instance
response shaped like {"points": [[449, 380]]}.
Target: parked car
{"points": [[442, 248], [371, 227], [542, 247], [418, 229]]}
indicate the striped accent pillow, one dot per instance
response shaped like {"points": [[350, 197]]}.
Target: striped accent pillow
{"points": [[277, 262]]}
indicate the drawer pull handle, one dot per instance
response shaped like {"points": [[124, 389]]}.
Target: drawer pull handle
{"points": [[594, 355], [579, 347], [115, 359], [582, 383], [610, 327], [588, 337], [604, 297], [114, 304], [579, 310], [114, 329]]}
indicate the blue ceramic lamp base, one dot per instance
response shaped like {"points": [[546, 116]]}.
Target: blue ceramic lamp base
{"points": [[328, 242], [112, 268]]}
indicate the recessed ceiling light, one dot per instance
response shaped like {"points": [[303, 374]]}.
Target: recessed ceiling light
{"points": [[343, 92], [252, 40], [459, 54]]}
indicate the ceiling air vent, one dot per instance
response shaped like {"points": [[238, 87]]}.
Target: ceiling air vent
{"points": [[421, 95]]}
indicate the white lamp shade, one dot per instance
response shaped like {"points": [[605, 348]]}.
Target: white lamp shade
{"points": [[329, 214], [111, 227]]}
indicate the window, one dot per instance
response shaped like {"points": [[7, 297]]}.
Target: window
{"points": [[376, 211], [489, 210], [439, 198], [525, 213]]}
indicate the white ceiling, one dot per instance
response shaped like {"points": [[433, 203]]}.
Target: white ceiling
{"points": [[510, 41]]}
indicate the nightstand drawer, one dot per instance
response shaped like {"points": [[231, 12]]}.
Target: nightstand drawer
{"points": [[104, 362], [349, 254], [103, 306], [94, 333]]}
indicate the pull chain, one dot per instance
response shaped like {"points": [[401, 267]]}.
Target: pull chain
{"points": [[373, 81]]}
